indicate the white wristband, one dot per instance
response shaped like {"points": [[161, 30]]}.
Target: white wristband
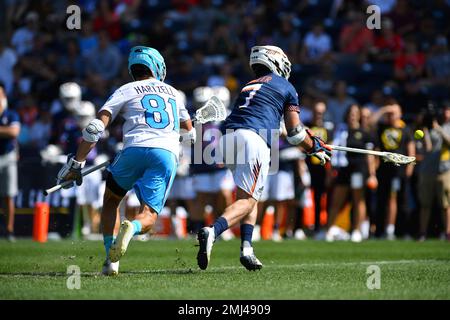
{"points": [[296, 136]]}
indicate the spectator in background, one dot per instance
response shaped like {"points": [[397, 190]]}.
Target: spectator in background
{"points": [[376, 101], [317, 45], [202, 17], [320, 175], [404, 18], [410, 64], [71, 64], [9, 130], [106, 19], [438, 69], [22, 39], [104, 61], [434, 175], [388, 45], [353, 170], [338, 104], [88, 40], [8, 60], [355, 37], [426, 35], [287, 37], [392, 136]]}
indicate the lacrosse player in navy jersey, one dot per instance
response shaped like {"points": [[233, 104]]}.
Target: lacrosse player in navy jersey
{"points": [[245, 146]]}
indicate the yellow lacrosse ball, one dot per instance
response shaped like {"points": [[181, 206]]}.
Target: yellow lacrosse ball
{"points": [[418, 134]]}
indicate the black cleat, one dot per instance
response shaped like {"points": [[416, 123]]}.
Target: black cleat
{"points": [[205, 239]]}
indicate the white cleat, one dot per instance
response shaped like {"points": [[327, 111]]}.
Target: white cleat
{"points": [[110, 268], [205, 239], [356, 236], [332, 234], [300, 235], [120, 245], [276, 236]]}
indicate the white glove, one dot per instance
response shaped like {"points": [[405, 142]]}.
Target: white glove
{"points": [[71, 171], [188, 135]]}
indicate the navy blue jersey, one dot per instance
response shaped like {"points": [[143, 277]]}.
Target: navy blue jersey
{"points": [[8, 118], [261, 105]]}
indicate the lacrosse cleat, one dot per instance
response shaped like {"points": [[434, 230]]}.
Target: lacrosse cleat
{"points": [[249, 260], [205, 239], [110, 268], [120, 245], [356, 236]]}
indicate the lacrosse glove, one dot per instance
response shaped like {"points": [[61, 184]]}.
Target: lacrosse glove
{"points": [[71, 171]]}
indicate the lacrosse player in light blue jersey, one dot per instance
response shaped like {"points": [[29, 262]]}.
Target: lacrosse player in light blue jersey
{"points": [[153, 112]]}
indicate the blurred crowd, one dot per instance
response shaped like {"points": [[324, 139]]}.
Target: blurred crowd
{"points": [[368, 88]]}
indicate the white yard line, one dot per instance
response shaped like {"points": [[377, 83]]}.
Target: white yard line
{"points": [[188, 270]]}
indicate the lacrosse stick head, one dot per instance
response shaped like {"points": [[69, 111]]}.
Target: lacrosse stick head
{"points": [[398, 159], [213, 110]]}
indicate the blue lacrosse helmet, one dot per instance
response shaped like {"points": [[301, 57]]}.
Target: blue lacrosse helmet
{"points": [[149, 57]]}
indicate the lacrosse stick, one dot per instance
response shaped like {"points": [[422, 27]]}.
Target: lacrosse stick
{"points": [[395, 158], [213, 110], [69, 182]]}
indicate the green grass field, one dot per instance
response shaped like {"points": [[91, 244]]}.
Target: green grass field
{"points": [[166, 269]]}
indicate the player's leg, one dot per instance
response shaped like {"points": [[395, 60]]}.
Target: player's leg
{"points": [[339, 198], [359, 206], [8, 204], [250, 168], [224, 196], [392, 208], [123, 173], [110, 221], [243, 206], [247, 257], [152, 189]]}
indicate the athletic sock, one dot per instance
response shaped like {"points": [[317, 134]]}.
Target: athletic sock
{"points": [[220, 226], [137, 227], [107, 242], [246, 233]]}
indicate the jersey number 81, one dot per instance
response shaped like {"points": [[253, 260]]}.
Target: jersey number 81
{"points": [[156, 114]]}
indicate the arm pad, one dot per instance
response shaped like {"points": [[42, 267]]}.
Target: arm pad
{"points": [[93, 131], [296, 136]]}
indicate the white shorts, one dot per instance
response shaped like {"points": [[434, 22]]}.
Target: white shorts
{"points": [[214, 182], [279, 187], [89, 191], [182, 189], [248, 157]]}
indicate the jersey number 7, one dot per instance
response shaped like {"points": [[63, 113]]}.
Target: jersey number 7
{"points": [[157, 112], [253, 88]]}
